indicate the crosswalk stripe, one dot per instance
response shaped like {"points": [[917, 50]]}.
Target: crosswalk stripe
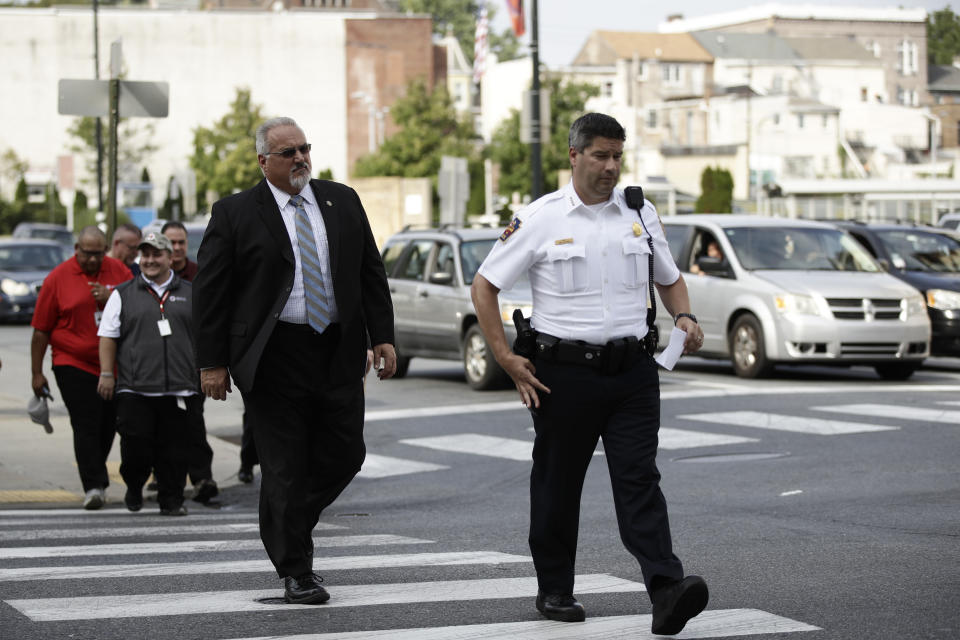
{"points": [[426, 412], [141, 519], [893, 411], [193, 546], [477, 444], [722, 623], [779, 422], [79, 515], [686, 439], [130, 532], [377, 466], [336, 563], [166, 604]]}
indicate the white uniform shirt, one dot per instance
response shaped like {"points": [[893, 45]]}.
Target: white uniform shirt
{"points": [[587, 266], [296, 308]]}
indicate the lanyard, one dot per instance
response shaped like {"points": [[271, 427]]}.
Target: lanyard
{"points": [[159, 299]]}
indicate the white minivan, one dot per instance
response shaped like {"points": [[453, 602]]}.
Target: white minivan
{"points": [[773, 290]]}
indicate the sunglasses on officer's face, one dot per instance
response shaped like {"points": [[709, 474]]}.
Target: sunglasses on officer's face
{"points": [[289, 152]]}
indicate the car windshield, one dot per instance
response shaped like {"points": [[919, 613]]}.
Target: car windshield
{"points": [[805, 249], [914, 250], [29, 257]]}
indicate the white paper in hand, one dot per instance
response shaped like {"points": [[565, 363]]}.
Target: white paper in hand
{"points": [[669, 356]]}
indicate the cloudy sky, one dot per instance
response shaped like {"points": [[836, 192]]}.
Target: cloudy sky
{"points": [[565, 24]]}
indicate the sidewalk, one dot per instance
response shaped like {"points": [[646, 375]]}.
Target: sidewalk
{"points": [[39, 468]]}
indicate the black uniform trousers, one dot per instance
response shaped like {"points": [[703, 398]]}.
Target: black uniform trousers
{"points": [[155, 434], [623, 410], [93, 420], [309, 435]]}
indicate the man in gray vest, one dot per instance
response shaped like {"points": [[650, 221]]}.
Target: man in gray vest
{"points": [[146, 331]]}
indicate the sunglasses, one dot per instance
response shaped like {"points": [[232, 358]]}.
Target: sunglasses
{"points": [[290, 151]]}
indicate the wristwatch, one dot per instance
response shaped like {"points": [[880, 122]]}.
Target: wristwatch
{"points": [[685, 315]]}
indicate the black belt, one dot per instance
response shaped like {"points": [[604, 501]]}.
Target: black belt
{"points": [[611, 358]]}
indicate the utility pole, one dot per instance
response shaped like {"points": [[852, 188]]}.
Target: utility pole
{"points": [[536, 165], [99, 126], [115, 64]]}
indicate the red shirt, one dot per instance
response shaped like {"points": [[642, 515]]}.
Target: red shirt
{"points": [[67, 311], [189, 271]]}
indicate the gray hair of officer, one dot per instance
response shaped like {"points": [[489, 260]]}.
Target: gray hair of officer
{"points": [[264, 129], [594, 125]]}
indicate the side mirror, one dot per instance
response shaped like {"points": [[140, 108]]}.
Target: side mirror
{"points": [[884, 263], [441, 277], [718, 267]]}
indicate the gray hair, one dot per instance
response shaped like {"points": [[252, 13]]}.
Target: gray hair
{"points": [[265, 128], [594, 125], [92, 231]]}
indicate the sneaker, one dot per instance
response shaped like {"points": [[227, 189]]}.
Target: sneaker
{"points": [[93, 499], [205, 490]]}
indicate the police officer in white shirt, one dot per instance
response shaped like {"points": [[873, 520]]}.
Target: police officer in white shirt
{"points": [[593, 375]]}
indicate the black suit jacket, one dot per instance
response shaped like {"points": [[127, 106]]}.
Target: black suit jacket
{"points": [[247, 271]]}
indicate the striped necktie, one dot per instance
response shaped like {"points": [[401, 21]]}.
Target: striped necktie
{"points": [[318, 309]]}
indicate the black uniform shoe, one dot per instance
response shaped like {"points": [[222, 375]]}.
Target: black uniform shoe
{"points": [[174, 511], [304, 589], [245, 475], [675, 603], [133, 499], [564, 608], [205, 490]]}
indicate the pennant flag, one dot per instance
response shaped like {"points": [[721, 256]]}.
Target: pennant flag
{"points": [[480, 45], [515, 7]]}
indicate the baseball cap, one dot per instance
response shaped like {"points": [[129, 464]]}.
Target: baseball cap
{"points": [[40, 412], [157, 241]]}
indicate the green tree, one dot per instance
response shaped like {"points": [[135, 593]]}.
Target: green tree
{"points": [[223, 154], [134, 147], [716, 191], [567, 102], [943, 36], [461, 16]]}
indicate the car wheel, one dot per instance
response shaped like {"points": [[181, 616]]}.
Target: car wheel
{"points": [[747, 351], [479, 366], [896, 370], [403, 364]]}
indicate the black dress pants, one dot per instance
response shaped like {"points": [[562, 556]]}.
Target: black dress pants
{"points": [[624, 410], [93, 420], [309, 435], [155, 434], [248, 446], [200, 457]]}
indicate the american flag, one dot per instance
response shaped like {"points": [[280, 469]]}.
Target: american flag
{"points": [[480, 45], [515, 8]]}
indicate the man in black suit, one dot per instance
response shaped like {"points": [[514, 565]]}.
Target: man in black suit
{"points": [[289, 290]]}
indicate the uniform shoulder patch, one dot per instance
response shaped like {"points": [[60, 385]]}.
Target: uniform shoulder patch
{"points": [[513, 226]]}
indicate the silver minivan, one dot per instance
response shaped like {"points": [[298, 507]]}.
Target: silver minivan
{"points": [[772, 290]]}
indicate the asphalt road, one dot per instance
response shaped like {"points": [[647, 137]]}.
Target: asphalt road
{"points": [[817, 504]]}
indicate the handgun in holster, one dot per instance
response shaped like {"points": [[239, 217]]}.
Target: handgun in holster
{"points": [[526, 343]]}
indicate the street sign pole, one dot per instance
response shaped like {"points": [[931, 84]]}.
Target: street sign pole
{"points": [[114, 122]]}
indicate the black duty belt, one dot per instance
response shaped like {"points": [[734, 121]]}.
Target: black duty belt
{"points": [[611, 358]]}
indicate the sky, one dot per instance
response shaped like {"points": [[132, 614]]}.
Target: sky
{"points": [[565, 24]]}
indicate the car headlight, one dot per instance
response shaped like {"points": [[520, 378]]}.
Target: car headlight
{"points": [[14, 288], [943, 300], [506, 311], [796, 303]]}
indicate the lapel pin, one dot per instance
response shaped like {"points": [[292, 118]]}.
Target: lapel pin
{"points": [[329, 204]]}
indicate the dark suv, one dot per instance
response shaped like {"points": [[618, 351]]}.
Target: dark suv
{"points": [[430, 273], [928, 259]]}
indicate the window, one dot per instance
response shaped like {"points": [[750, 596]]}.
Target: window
{"points": [[907, 58], [863, 94], [607, 89], [443, 261], [670, 73], [642, 72], [826, 121], [392, 253], [799, 121], [676, 237], [652, 118], [416, 261]]}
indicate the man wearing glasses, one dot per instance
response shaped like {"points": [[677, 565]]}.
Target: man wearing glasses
{"points": [[66, 318], [290, 287]]}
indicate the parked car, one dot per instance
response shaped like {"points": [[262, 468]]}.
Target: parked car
{"points": [[928, 259], [949, 220], [24, 263], [430, 273], [46, 231], [794, 292]]}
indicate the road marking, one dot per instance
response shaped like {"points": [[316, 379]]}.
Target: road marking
{"points": [[778, 422], [337, 563], [723, 623], [79, 514], [478, 445], [167, 604], [376, 466], [129, 532], [894, 411], [133, 518], [687, 439], [194, 546], [427, 412]]}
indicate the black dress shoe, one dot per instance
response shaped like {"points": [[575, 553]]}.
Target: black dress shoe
{"points": [[564, 608], [675, 603], [205, 490], [245, 475], [304, 589], [133, 499], [179, 510]]}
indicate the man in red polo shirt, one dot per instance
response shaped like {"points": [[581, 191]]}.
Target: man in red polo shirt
{"points": [[66, 317]]}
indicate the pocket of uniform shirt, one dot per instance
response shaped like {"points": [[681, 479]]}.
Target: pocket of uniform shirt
{"points": [[636, 258], [570, 266]]}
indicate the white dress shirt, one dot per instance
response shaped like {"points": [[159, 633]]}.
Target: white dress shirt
{"points": [[588, 265], [295, 310]]}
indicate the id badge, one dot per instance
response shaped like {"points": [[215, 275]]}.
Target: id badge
{"points": [[164, 326], [96, 317]]}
